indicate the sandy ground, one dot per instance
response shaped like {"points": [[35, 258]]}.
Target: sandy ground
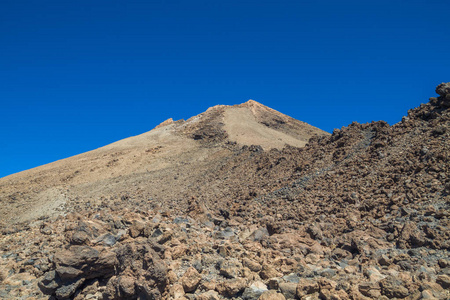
{"points": [[242, 127]]}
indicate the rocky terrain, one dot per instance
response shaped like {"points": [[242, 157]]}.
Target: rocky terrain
{"points": [[239, 202]]}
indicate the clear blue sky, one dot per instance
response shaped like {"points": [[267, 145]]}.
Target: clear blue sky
{"points": [[77, 75]]}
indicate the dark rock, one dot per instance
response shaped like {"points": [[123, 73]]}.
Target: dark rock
{"points": [[68, 273], [80, 238], [49, 283], [68, 289], [443, 89], [106, 239]]}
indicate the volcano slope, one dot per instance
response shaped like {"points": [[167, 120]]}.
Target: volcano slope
{"points": [[234, 204]]}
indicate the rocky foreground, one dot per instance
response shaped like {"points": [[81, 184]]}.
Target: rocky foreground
{"points": [[361, 214]]}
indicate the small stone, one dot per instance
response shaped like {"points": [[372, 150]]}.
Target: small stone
{"points": [[444, 263], [393, 288], [230, 268], [230, 288], [136, 228], [252, 265], [288, 289], [369, 289], [306, 287], [68, 289], [384, 260], [177, 291], [79, 238], [254, 290], [271, 295], [126, 285], [106, 239], [209, 295], [190, 280], [444, 281], [428, 294], [268, 271]]}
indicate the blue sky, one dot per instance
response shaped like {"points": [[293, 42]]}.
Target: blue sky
{"points": [[77, 75]]}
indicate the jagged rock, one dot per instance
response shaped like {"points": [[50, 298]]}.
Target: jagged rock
{"points": [[126, 286], [230, 268], [50, 283], [137, 228], [177, 291], [444, 281], [190, 280], [271, 295], [306, 287], [106, 239], [288, 289], [254, 290], [393, 288], [252, 265], [80, 238], [68, 288], [231, 287], [67, 272], [209, 295], [267, 272], [443, 89], [370, 289]]}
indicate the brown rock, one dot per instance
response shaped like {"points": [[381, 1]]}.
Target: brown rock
{"points": [[306, 287], [230, 288], [326, 284], [190, 280], [80, 238], [126, 286], [410, 236], [137, 228], [288, 289], [271, 295], [428, 294], [209, 295], [230, 268], [331, 295], [251, 264], [67, 273], [444, 281], [76, 256], [177, 291], [370, 289], [267, 272], [393, 288]]}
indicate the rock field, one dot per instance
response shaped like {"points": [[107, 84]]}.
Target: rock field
{"points": [[363, 213]]}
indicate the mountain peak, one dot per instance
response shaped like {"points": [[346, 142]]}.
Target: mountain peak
{"points": [[168, 146]]}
